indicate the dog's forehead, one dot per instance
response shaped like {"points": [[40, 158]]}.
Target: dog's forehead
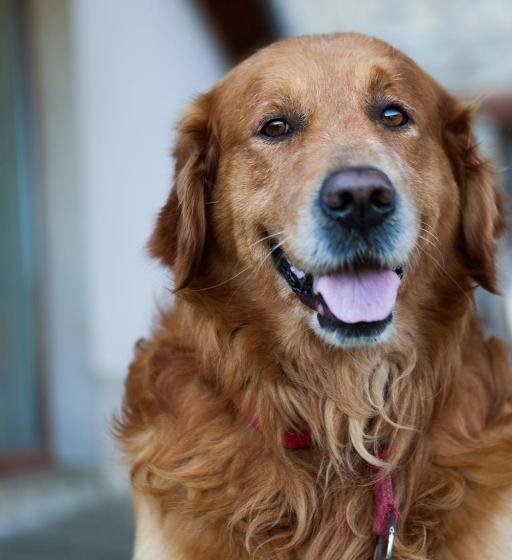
{"points": [[317, 70]]}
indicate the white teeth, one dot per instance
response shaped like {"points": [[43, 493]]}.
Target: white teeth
{"points": [[298, 272]]}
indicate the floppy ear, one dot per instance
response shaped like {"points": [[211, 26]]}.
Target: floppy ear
{"points": [[482, 209], [179, 238]]}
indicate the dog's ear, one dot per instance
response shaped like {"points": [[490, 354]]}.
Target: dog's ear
{"points": [[482, 208], [179, 238]]}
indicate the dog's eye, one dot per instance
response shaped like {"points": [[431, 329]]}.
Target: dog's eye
{"points": [[394, 117], [275, 128]]}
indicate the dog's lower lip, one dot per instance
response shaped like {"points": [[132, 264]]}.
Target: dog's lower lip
{"points": [[353, 330], [301, 283]]}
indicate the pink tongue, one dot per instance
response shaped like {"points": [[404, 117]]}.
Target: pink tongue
{"points": [[363, 296]]}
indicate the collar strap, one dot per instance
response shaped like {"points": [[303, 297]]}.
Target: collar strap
{"points": [[385, 504], [386, 513], [291, 440]]}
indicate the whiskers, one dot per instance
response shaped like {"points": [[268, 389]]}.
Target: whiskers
{"points": [[428, 236], [269, 253], [250, 265], [266, 237], [224, 281]]}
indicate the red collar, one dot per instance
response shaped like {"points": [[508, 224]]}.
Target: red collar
{"points": [[291, 440], [386, 514]]}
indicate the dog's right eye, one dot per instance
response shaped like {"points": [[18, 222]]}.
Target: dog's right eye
{"points": [[275, 128]]}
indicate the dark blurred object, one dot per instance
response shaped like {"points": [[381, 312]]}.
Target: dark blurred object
{"points": [[499, 108], [242, 26]]}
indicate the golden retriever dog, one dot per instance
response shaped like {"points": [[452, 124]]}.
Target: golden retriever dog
{"points": [[322, 371]]}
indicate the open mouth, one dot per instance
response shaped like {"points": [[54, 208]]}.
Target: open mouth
{"points": [[356, 301]]}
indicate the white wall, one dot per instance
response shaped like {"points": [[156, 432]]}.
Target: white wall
{"points": [[137, 64], [114, 77]]}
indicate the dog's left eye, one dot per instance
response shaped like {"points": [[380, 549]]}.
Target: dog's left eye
{"points": [[394, 117], [275, 128]]}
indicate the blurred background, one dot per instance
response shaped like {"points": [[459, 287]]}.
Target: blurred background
{"points": [[90, 91]]}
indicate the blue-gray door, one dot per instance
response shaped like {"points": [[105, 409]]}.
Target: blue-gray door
{"points": [[19, 410]]}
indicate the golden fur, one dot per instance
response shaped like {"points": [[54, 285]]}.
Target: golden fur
{"points": [[436, 393]]}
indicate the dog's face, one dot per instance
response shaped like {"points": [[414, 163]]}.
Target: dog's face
{"points": [[337, 177]]}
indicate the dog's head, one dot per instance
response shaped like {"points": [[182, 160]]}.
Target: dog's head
{"points": [[332, 181]]}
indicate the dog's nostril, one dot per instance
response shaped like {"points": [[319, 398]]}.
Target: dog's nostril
{"points": [[339, 200], [381, 198], [346, 200]]}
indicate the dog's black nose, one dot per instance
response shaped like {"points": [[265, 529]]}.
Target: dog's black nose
{"points": [[358, 197]]}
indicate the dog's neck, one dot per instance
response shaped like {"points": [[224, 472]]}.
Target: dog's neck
{"points": [[422, 397], [350, 400]]}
